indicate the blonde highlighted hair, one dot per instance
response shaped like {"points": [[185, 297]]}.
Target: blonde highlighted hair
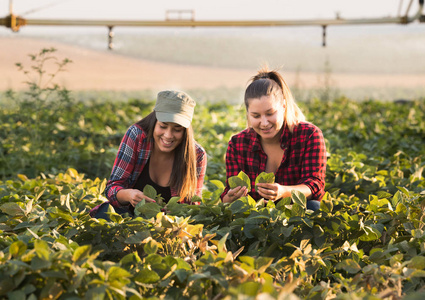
{"points": [[271, 83]]}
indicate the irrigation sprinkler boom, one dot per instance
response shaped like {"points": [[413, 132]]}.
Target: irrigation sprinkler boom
{"points": [[14, 22]]}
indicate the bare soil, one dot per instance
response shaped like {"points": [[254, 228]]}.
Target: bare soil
{"points": [[106, 70]]}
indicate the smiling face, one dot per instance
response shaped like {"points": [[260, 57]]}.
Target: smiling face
{"points": [[167, 136], [265, 115]]}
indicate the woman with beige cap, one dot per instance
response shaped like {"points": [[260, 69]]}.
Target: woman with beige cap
{"points": [[159, 150]]}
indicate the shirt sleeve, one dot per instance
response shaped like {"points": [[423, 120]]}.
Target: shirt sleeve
{"points": [[201, 168], [313, 170], [124, 165]]}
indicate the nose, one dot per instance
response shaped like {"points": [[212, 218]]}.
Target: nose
{"points": [[168, 133], [264, 120]]}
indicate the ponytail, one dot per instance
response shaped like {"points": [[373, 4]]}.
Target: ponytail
{"points": [[271, 83]]}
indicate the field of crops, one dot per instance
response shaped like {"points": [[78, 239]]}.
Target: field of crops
{"points": [[366, 242]]}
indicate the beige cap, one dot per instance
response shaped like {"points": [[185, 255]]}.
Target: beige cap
{"points": [[174, 106]]}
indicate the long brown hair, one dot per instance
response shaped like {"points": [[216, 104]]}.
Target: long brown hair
{"points": [[271, 83], [183, 175]]}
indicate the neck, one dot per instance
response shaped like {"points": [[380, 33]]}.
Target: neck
{"points": [[163, 156], [273, 141]]}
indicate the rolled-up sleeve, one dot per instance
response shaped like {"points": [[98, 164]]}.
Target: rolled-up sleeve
{"points": [[313, 168], [125, 162]]}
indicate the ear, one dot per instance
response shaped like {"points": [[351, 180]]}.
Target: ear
{"points": [[284, 104]]}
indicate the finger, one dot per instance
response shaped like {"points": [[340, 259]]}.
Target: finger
{"points": [[268, 186], [147, 199], [242, 192], [265, 193], [233, 192], [140, 196], [236, 189]]}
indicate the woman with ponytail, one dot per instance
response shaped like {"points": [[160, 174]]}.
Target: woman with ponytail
{"points": [[160, 151], [278, 140]]}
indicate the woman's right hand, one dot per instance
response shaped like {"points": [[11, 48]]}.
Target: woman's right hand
{"points": [[132, 197], [234, 194]]}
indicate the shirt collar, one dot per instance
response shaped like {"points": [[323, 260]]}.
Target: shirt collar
{"points": [[285, 137]]}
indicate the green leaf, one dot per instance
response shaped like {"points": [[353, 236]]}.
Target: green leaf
{"points": [[238, 206], [16, 295], [297, 210], [65, 216], [404, 190], [40, 264], [182, 274], [240, 180], [326, 205], [117, 273], [102, 186], [138, 237], [12, 209], [262, 263], [382, 194], [150, 191], [151, 247], [396, 199], [417, 262], [97, 293], [281, 205], [129, 259], [219, 184], [221, 247], [147, 209], [17, 249], [264, 177], [299, 198], [249, 288], [22, 177], [349, 265], [147, 276], [371, 234], [81, 253], [286, 231], [42, 249]]}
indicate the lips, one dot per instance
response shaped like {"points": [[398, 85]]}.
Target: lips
{"points": [[167, 143], [266, 129]]}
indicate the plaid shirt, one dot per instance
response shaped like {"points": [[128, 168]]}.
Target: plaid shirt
{"points": [[132, 156], [303, 161]]}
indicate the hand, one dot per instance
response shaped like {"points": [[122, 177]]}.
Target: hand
{"points": [[234, 194], [132, 197], [271, 191]]}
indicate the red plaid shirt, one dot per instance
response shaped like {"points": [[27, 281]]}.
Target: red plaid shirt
{"points": [[133, 154], [303, 161]]}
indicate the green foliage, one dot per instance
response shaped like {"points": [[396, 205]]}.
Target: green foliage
{"points": [[50, 247]]}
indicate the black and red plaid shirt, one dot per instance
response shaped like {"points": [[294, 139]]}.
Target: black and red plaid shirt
{"points": [[303, 161]]}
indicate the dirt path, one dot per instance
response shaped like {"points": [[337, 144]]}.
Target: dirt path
{"points": [[102, 70]]}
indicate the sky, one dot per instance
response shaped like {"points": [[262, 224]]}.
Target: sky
{"points": [[205, 9]]}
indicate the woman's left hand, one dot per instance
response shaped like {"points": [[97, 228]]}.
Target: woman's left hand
{"points": [[271, 191]]}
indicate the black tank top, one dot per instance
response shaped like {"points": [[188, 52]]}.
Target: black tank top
{"points": [[144, 179]]}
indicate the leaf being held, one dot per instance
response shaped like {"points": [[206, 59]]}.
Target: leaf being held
{"points": [[240, 180], [264, 177], [149, 191]]}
